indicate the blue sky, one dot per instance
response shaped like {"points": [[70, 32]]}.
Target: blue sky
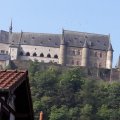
{"points": [[50, 16]]}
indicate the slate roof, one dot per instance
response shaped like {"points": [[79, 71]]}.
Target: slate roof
{"points": [[11, 79], [94, 41], [71, 38], [37, 39], [4, 37]]}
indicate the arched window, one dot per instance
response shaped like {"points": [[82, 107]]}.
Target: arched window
{"points": [[48, 55], [41, 55], [100, 54], [27, 54], [21, 53], [34, 54], [55, 56]]}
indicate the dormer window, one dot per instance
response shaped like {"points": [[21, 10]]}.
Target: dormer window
{"points": [[75, 38], [33, 37], [49, 39], [41, 42], [104, 44]]}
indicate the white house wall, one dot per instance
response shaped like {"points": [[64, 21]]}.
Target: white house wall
{"points": [[38, 50], [4, 47]]}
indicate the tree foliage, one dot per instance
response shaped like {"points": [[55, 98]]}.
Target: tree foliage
{"points": [[67, 94]]}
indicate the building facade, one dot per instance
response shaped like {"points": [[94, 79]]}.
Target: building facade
{"points": [[70, 48]]}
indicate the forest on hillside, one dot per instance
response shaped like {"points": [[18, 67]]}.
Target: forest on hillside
{"points": [[68, 94]]}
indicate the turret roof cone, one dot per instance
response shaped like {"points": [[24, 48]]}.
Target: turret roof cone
{"points": [[85, 45], [62, 40]]}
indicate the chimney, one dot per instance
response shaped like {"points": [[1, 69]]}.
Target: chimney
{"points": [[41, 116]]}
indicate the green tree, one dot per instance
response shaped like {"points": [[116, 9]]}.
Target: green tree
{"points": [[59, 113], [86, 112]]}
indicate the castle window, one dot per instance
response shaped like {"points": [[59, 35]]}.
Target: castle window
{"points": [[33, 37], [92, 44], [55, 56], [6, 52], [55, 43], [75, 38], [78, 52], [100, 54], [48, 55], [34, 54], [21, 53], [100, 65], [95, 54], [72, 62], [49, 39], [27, 54], [2, 51], [77, 63], [41, 55], [73, 52], [98, 41], [104, 44], [41, 42], [95, 65]]}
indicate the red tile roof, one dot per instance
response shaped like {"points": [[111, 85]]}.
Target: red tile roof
{"points": [[10, 79]]}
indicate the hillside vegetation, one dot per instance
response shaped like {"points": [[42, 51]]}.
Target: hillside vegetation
{"points": [[70, 94]]}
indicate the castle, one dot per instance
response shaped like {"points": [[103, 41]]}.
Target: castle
{"points": [[70, 48]]}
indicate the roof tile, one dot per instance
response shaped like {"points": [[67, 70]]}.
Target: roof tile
{"points": [[10, 78]]}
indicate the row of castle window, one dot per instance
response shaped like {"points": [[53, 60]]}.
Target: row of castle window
{"points": [[79, 63], [3, 52], [75, 62], [35, 55], [75, 52], [96, 54]]}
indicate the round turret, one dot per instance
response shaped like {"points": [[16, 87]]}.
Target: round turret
{"points": [[62, 58], [85, 55], [109, 57]]}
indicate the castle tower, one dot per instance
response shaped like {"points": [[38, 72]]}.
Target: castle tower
{"points": [[62, 58], [84, 61], [10, 28], [118, 63], [109, 56]]}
